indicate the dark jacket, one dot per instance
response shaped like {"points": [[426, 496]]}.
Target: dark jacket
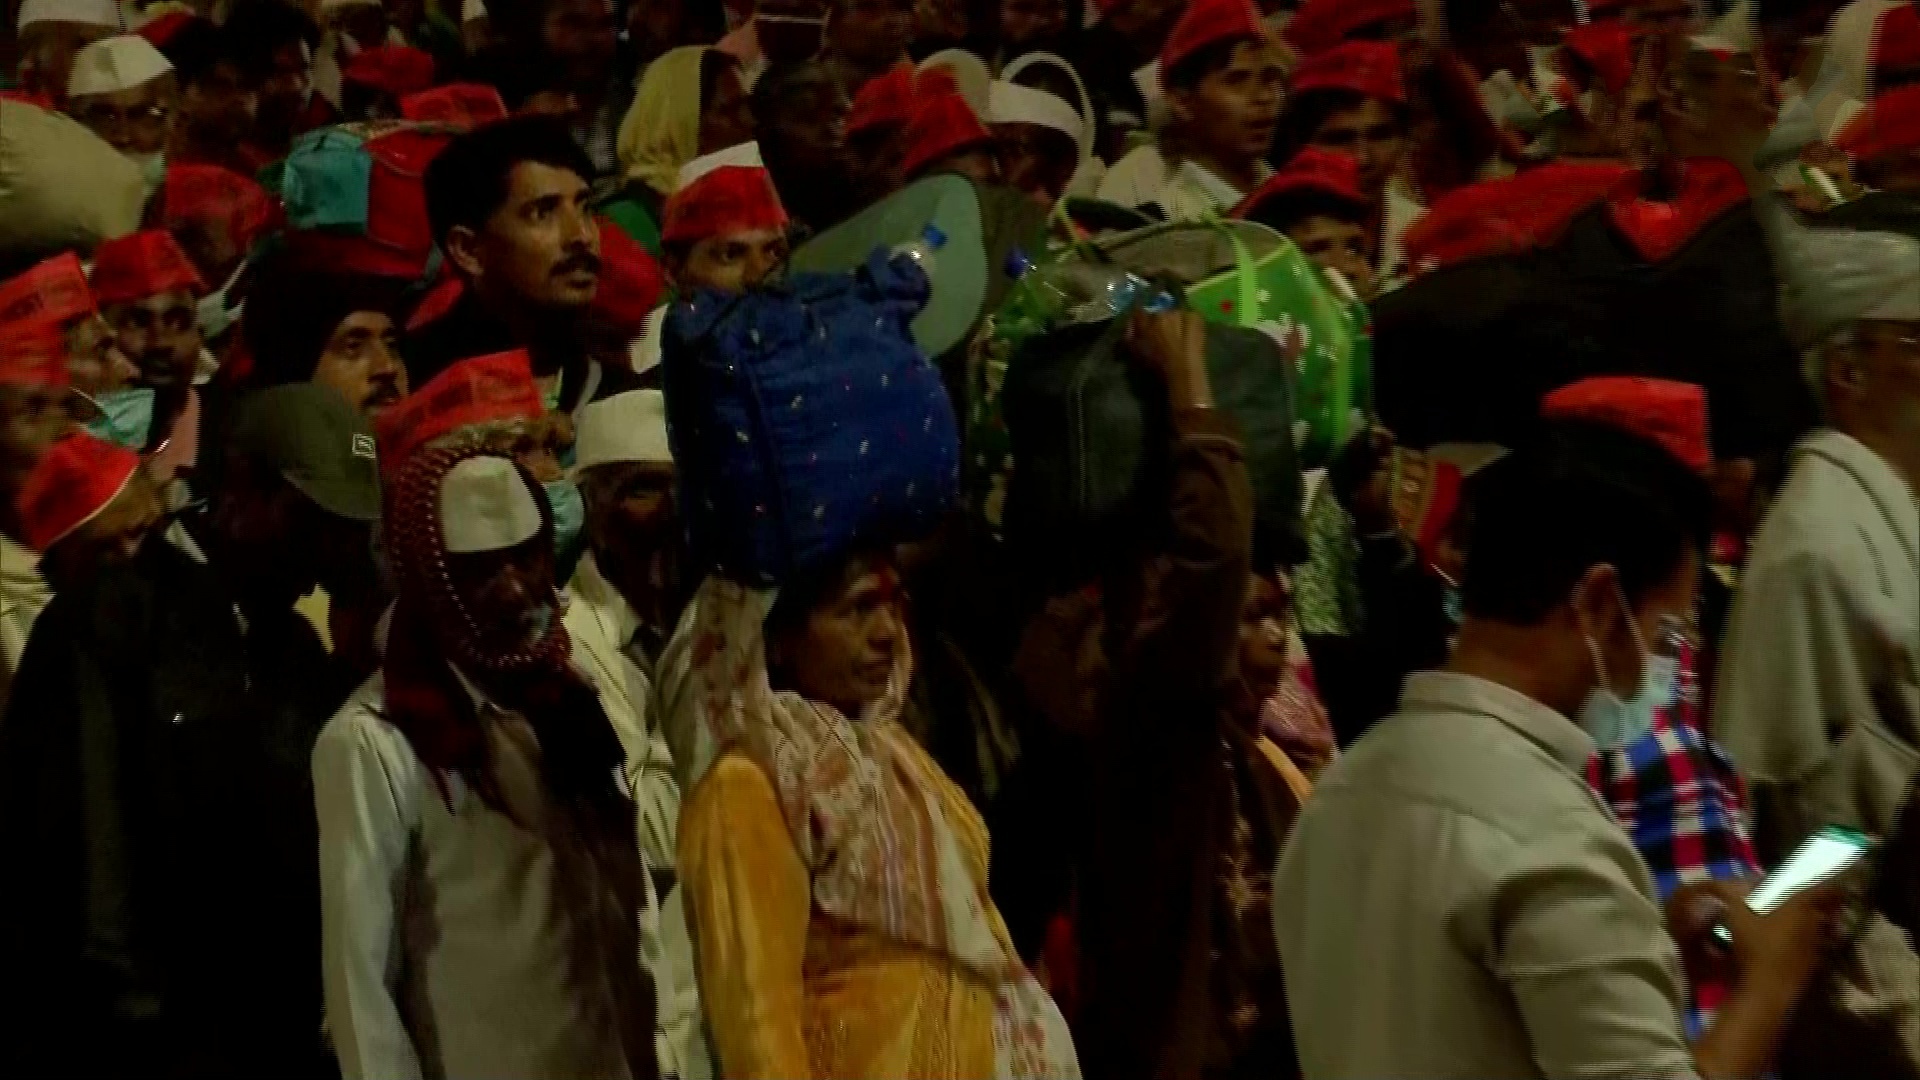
{"points": [[469, 330], [1171, 785], [157, 825]]}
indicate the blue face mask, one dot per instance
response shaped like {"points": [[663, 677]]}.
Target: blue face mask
{"points": [[126, 417], [569, 525], [1613, 721]]}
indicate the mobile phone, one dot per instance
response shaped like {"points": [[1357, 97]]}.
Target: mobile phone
{"points": [[1826, 855]]}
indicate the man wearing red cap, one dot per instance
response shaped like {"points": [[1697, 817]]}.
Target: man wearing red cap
{"points": [[1884, 141], [1316, 201], [55, 293], [36, 408], [1352, 99], [876, 130], [148, 293], [156, 750], [1222, 74], [947, 136]]}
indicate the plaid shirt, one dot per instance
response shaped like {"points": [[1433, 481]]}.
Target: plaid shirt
{"points": [[1679, 798]]}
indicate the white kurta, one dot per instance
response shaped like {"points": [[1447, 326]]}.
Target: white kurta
{"points": [[602, 623], [459, 941], [23, 595], [1185, 191]]}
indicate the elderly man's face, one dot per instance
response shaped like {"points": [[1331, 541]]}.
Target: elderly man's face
{"points": [[95, 361], [509, 593], [136, 121]]}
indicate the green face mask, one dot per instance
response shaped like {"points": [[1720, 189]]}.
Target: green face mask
{"points": [[153, 169]]}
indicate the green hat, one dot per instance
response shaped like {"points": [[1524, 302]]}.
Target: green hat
{"points": [[319, 442]]}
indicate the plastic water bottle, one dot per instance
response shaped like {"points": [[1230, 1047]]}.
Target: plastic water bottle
{"points": [[1082, 292], [920, 250]]}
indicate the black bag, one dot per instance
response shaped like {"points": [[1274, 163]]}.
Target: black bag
{"points": [[1088, 427]]}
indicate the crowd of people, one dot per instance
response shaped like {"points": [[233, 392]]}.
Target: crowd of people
{"points": [[1479, 541]]}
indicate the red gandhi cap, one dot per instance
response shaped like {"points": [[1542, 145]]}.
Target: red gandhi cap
{"points": [[943, 123], [484, 389], [1673, 414], [1368, 68], [884, 100], [1896, 42], [1320, 25], [1312, 169], [1607, 48], [217, 200], [727, 191], [631, 282], [55, 290], [34, 353], [145, 264], [1205, 22], [462, 105], [1888, 126], [75, 479], [398, 70]]}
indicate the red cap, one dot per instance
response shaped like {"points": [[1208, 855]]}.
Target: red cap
{"points": [[732, 198], [397, 70], [482, 390], [1890, 125], [1896, 42], [1506, 217], [462, 105], [882, 101], [145, 264], [55, 290], [1319, 25], [942, 124], [74, 480], [1673, 414], [631, 282], [1607, 48], [161, 31], [1205, 22], [34, 353], [211, 198], [1312, 169], [1368, 68]]}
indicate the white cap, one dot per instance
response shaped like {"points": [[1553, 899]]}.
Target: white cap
{"points": [[1011, 103], [745, 155], [1732, 34], [86, 12], [969, 73], [113, 64], [1834, 277], [625, 427], [485, 505], [471, 10]]}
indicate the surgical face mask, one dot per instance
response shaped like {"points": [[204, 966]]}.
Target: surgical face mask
{"points": [[539, 623], [126, 417], [569, 525], [153, 169], [214, 315], [1613, 721]]}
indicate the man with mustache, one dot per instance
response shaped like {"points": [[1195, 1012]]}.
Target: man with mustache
{"points": [[510, 205], [331, 327]]}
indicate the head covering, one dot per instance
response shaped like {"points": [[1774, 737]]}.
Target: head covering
{"points": [[961, 70], [161, 29], [661, 131], [55, 290], [77, 478], [726, 191], [1205, 22], [1890, 125], [485, 389], [1833, 277], [85, 12], [216, 200], [397, 70], [113, 64], [1673, 414], [1011, 103], [486, 506], [625, 427], [34, 353], [1524, 212], [942, 124], [463, 105], [631, 282], [292, 311], [1315, 170], [1319, 25], [1607, 48], [312, 436], [1732, 34], [1896, 43], [145, 264], [886, 100], [1368, 68]]}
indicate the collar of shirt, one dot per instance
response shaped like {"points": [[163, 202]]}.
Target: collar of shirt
{"points": [[1223, 195], [1447, 691], [1881, 482], [610, 609]]}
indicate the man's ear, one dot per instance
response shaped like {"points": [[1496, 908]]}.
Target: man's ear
{"points": [[462, 246], [1595, 601]]}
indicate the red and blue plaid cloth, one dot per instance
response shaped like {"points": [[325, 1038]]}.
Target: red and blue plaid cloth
{"points": [[1684, 806]]}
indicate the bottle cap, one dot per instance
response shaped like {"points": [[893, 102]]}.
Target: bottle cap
{"points": [[1018, 264], [934, 237]]}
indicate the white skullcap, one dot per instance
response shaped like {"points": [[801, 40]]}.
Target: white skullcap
{"points": [[625, 427], [485, 505], [745, 155], [1837, 276], [1010, 103], [113, 64], [86, 12]]}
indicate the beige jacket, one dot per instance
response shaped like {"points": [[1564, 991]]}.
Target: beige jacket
{"points": [[1819, 687]]}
